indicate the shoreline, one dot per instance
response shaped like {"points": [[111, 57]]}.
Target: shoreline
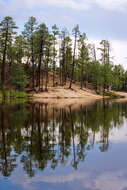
{"points": [[61, 97], [62, 92]]}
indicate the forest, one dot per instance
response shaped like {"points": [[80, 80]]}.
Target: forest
{"points": [[29, 59]]}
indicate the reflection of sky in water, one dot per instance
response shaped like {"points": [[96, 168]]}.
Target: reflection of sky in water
{"points": [[100, 170], [118, 135]]}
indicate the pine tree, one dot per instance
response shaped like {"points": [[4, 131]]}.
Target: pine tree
{"points": [[83, 54], [55, 32], [75, 32], [42, 34], [28, 33], [7, 27], [18, 76]]}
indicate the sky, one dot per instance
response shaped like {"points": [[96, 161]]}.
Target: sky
{"points": [[99, 19]]}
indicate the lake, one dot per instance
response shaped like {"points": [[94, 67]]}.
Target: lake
{"points": [[51, 148]]}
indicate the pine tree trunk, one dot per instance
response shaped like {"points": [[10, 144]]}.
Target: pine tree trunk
{"points": [[4, 60], [54, 65], [46, 72], [73, 63], [82, 74], [39, 65], [33, 69]]}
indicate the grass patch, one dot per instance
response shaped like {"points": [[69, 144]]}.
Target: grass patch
{"points": [[113, 95], [13, 94]]}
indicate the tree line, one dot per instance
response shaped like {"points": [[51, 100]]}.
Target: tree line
{"points": [[26, 59]]}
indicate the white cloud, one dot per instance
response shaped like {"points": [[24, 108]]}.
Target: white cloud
{"points": [[33, 4], [105, 180], [118, 5], [118, 51], [75, 4], [111, 180]]}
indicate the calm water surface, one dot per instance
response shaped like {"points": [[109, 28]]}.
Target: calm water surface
{"points": [[48, 148]]}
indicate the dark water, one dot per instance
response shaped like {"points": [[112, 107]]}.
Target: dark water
{"points": [[48, 148]]}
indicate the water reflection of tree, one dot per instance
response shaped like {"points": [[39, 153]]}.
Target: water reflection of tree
{"points": [[46, 136]]}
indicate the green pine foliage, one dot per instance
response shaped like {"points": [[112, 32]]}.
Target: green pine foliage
{"points": [[18, 77], [27, 59]]}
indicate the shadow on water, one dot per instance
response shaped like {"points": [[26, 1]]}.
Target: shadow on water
{"points": [[41, 136]]}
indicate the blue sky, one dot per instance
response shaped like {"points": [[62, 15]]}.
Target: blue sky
{"points": [[100, 19]]}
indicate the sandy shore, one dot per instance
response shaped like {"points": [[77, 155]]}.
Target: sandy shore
{"points": [[61, 97], [61, 92]]}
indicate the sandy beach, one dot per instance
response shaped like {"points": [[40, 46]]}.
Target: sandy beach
{"points": [[62, 96]]}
